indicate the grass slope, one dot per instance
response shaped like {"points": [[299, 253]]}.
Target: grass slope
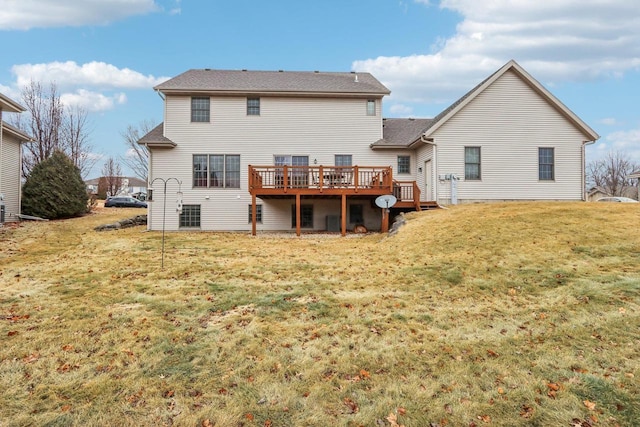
{"points": [[503, 315]]}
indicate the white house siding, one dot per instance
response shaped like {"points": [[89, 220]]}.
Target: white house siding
{"points": [[510, 121], [424, 153], [10, 180], [316, 127]]}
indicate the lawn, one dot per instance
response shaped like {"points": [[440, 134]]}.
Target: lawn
{"points": [[498, 315]]}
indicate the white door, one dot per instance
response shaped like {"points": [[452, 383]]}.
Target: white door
{"points": [[428, 181]]}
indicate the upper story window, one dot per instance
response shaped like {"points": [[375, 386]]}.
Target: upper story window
{"points": [[200, 110], [216, 170], [472, 163], [404, 164], [343, 160], [253, 106], [371, 107], [546, 165]]}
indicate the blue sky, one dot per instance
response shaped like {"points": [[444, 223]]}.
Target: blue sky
{"points": [[106, 55]]}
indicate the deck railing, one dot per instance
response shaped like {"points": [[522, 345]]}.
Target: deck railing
{"points": [[285, 178], [407, 192]]}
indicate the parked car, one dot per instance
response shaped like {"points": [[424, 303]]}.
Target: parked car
{"points": [[140, 195], [124, 202], [617, 199]]}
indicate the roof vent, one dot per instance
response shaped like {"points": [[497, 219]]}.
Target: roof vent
{"points": [[207, 69], [280, 71], [356, 79], [244, 69]]}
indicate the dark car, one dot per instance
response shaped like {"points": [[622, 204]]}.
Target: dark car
{"points": [[124, 202]]}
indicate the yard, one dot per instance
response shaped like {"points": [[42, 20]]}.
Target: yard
{"points": [[497, 315]]}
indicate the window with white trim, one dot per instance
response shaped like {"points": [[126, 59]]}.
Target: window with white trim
{"points": [[546, 164], [404, 164], [216, 170], [190, 216], [371, 107], [472, 163], [258, 214], [253, 106], [200, 109]]}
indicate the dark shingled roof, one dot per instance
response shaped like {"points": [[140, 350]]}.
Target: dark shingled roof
{"points": [[156, 138], [400, 133], [274, 82]]}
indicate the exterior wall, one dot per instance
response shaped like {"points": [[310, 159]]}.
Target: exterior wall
{"points": [[510, 121], [10, 162], [318, 128]]}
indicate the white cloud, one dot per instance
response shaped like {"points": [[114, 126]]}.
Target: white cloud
{"points": [[92, 101], [559, 41], [95, 86], [609, 121], [98, 74], [26, 14], [627, 142], [400, 109]]}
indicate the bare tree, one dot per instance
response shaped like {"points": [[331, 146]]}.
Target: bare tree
{"points": [[112, 174], [45, 111], [137, 156], [75, 139], [611, 173], [53, 127]]}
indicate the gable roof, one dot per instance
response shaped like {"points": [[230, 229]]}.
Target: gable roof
{"points": [[133, 181], [512, 65], [156, 139], [274, 82], [20, 135], [9, 105], [635, 174]]}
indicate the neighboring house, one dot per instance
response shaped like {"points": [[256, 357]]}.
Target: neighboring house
{"points": [[636, 175], [596, 193], [134, 185], [258, 150], [11, 140]]}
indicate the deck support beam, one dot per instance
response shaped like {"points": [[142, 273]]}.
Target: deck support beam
{"points": [[385, 221], [343, 215], [254, 210], [298, 214]]}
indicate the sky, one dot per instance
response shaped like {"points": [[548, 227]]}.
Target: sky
{"points": [[107, 55]]}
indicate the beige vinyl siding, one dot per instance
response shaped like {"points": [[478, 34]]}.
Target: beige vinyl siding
{"points": [[10, 179], [314, 127], [510, 121]]}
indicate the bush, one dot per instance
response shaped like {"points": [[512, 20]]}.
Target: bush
{"points": [[54, 189]]}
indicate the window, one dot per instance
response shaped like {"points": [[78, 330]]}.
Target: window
{"points": [[356, 215], [258, 214], [306, 216], [371, 107], [200, 170], [404, 164], [343, 160], [216, 170], [253, 106], [472, 163], [298, 177], [190, 216], [199, 109], [545, 164]]}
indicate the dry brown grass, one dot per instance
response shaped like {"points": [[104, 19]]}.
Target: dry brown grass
{"points": [[507, 314]]}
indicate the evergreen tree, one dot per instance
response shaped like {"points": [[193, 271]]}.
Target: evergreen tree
{"points": [[54, 189]]}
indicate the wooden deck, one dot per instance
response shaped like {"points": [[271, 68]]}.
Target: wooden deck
{"points": [[331, 182]]}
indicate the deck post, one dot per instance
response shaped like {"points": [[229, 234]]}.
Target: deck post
{"points": [[385, 220], [298, 214], [343, 215], [253, 214]]}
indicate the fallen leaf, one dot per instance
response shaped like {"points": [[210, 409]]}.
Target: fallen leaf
{"points": [[206, 423], [526, 412], [353, 406], [249, 417], [66, 408], [492, 353], [553, 386], [12, 333], [484, 418], [31, 358], [67, 347], [590, 405], [402, 411], [364, 374]]}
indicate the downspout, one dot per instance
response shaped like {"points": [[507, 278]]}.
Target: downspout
{"points": [[149, 175], [584, 168]]}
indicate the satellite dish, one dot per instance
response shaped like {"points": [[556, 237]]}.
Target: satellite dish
{"points": [[386, 201]]}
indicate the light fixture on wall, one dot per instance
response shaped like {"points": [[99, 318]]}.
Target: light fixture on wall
{"points": [[315, 161], [419, 170]]}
